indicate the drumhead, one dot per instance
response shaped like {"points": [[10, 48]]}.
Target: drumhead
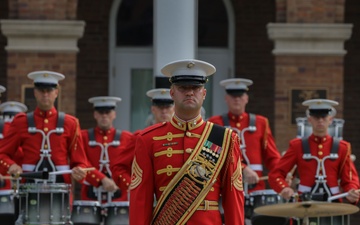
{"points": [[117, 204]]}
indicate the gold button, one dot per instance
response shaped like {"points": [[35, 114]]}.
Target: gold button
{"points": [[97, 180], [93, 176], [50, 112], [46, 129], [188, 134], [316, 139], [105, 144], [45, 146], [188, 150], [280, 182], [238, 124], [46, 120], [124, 179], [320, 153], [320, 146], [241, 117], [105, 137], [277, 179]]}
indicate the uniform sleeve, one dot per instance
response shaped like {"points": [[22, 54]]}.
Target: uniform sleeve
{"points": [[121, 168], [142, 185], [11, 142], [278, 174], [232, 191], [349, 176], [271, 155], [78, 156]]}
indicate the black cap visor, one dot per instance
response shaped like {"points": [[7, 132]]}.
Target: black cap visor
{"points": [[104, 109], [188, 80], [162, 102], [45, 86], [236, 92], [319, 113]]}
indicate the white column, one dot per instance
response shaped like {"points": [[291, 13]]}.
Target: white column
{"points": [[175, 31]]}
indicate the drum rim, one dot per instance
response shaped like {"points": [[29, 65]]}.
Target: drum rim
{"points": [[262, 192], [87, 203], [115, 204]]}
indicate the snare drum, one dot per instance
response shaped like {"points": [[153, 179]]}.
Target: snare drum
{"points": [[7, 207], [43, 203], [116, 213], [261, 198], [86, 213]]}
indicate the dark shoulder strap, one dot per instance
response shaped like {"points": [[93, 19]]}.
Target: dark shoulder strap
{"points": [[61, 119], [30, 119], [335, 148], [305, 147], [1, 129], [252, 122], [91, 134], [225, 119], [117, 135]]}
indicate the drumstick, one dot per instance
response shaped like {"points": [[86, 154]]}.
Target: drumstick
{"points": [[340, 196], [70, 171], [9, 178], [264, 178]]}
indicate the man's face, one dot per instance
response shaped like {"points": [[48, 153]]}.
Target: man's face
{"points": [[236, 104], [162, 113], [188, 99], [45, 97], [320, 124], [104, 118]]}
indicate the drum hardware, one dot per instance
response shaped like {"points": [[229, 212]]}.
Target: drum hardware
{"points": [[307, 209], [343, 195], [260, 198]]}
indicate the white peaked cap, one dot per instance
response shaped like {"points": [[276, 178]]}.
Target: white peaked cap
{"points": [[12, 107], [104, 101]]}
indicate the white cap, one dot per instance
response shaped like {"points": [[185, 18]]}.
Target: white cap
{"points": [[188, 71], [105, 102], [45, 78], [2, 89], [321, 107], [160, 96], [236, 84], [12, 107]]}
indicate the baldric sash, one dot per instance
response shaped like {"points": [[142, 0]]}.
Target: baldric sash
{"points": [[185, 192]]}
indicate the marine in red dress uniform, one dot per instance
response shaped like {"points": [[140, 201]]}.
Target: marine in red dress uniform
{"points": [[162, 150], [320, 143], [67, 150], [338, 172], [9, 110], [260, 147], [105, 152]]}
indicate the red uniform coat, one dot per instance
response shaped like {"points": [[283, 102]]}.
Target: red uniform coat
{"points": [[17, 157], [339, 169], [66, 149], [260, 145], [120, 158], [160, 152]]}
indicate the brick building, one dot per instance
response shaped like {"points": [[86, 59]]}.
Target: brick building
{"points": [[117, 47]]}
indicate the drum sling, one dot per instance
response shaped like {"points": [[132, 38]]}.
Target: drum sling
{"points": [[185, 192]]}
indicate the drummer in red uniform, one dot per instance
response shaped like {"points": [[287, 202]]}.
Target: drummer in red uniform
{"points": [[257, 142], [50, 140], [323, 162], [184, 165], [8, 111], [105, 145]]}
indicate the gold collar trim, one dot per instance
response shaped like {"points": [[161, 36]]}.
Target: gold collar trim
{"points": [[187, 125]]}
